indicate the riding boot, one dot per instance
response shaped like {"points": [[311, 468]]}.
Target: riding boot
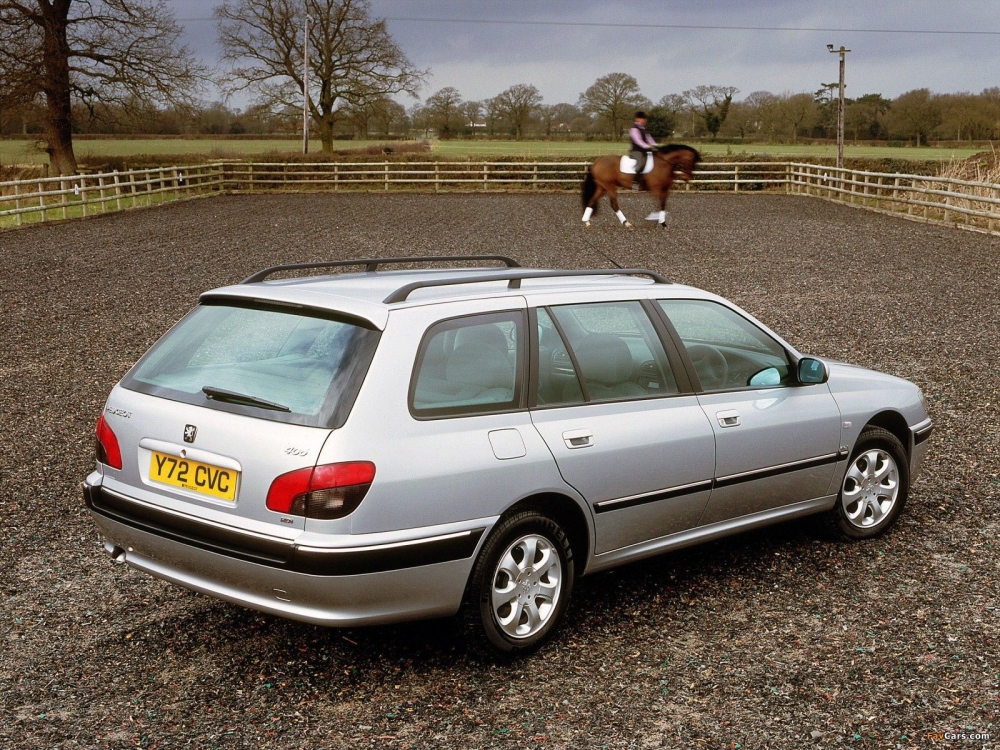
{"points": [[640, 164]]}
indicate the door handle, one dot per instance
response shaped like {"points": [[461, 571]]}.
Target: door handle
{"points": [[730, 418], [578, 438]]}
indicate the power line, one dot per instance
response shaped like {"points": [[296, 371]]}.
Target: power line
{"points": [[709, 27], [681, 26]]}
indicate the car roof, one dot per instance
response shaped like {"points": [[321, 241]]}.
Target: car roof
{"points": [[365, 294]]}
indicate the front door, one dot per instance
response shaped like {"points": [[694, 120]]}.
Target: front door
{"points": [[777, 441], [774, 447]]}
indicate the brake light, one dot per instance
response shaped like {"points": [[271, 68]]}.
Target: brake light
{"points": [[108, 451], [325, 492]]}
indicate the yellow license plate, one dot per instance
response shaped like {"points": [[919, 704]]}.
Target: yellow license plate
{"points": [[193, 475]]}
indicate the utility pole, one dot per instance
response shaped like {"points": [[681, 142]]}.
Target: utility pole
{"points": [[305, 88], [840, 104]]}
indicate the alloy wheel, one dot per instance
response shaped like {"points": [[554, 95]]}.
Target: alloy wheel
{"points": [[526, 586], [870, 488]]}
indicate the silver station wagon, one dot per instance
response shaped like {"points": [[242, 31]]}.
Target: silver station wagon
{"points": [[382, 445]]}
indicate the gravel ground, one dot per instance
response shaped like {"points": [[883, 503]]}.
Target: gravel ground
{"points": [[770, 639]]}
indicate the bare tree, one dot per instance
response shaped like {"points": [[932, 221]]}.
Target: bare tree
{"points": [[547, 114], [916, 113], [471, 113], [387, 113], [863, 116], [560, 117], [493, 113], [764, 107], [444, 110], [712, 105], [352, 58], [799, 111], [91, 51], [419, 118], [517, 104], [613, 98], [359, 117]]}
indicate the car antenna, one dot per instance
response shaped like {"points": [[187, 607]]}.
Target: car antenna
{"points": [[611, 260]]}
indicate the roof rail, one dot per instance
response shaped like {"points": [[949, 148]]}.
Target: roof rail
{"points": [[515, 277], [372, 264]]}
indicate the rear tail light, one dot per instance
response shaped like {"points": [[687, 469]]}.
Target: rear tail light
{"points": [[325, 492], [108, 451]]}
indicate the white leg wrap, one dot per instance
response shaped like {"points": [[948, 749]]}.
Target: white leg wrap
{"points": [[663, 217], [587, 213], [621, 216]]}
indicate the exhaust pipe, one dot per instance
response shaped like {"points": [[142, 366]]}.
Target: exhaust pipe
{"points": [[116, 552]]}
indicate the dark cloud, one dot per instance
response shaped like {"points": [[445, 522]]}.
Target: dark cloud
{"points": [[482, 59]]}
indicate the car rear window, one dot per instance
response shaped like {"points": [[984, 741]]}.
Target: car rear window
{"points": [[293, 366]]}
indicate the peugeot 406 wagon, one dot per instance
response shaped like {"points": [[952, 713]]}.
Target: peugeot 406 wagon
{"points": [[386, 445]]}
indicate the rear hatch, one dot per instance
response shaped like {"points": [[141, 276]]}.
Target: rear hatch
{"points": [[237, 394]]}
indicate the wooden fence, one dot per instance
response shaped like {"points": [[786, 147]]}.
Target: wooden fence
{"points": [[48, 198], [971, 205], [472, 176], [936, 200]]}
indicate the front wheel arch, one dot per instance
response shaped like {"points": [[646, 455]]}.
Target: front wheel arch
{"points": [[892, 421]]}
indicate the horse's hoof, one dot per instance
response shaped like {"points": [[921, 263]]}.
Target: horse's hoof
{"points": [[586, 225], [663, 225], [628, 225]]}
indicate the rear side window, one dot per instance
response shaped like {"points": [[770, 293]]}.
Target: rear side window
{"points": [[469, 365], [288, 366], [615, 350]]}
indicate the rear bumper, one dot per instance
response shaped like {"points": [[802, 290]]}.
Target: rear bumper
{"points": [[345, 586]]}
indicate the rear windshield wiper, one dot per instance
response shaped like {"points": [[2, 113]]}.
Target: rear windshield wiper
{"points": [[232, 397]]}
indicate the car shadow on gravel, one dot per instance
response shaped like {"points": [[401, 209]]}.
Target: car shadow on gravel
{"points": [[657, 590]]}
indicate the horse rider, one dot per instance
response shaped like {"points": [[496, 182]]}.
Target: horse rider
{"points": [[642, 144]]}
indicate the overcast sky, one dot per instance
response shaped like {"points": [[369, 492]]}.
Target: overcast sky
{"points": [[482, 59]]}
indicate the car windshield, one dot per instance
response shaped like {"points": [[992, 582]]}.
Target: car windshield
{"points": [[250, 358]]}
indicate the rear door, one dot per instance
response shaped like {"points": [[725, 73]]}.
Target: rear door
{"points": [[608, 404], [443, 416], [235, 395], [777, 442]]}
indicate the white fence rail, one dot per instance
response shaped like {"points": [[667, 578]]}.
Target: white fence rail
{"points": [[971, 205]]}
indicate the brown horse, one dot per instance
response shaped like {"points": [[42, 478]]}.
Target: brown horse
{"points": [[605, 176]]}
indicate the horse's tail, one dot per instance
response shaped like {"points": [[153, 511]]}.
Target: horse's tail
{"points": [[589, 188]]}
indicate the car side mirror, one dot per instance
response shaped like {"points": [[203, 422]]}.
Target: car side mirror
{"points": [[812, 370], [766, 378]]}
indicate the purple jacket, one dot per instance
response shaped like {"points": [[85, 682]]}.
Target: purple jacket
{"points": [[641, 140]]}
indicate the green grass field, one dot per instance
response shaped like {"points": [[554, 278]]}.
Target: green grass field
{"points": [[596, 148], [25, 152]]}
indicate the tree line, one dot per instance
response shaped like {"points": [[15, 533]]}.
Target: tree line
{"points": [[702, 112], [606, 109], [118, 66]]}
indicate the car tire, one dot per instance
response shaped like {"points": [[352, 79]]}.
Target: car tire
{"points": [[874, 488], [512, 605]]}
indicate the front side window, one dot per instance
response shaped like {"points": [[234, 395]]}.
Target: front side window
{"points": [[469, 365], [727, 350], [260, 360], [613, 352]]}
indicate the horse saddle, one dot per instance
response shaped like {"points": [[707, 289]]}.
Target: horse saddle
{"points": [[627, 165]]}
